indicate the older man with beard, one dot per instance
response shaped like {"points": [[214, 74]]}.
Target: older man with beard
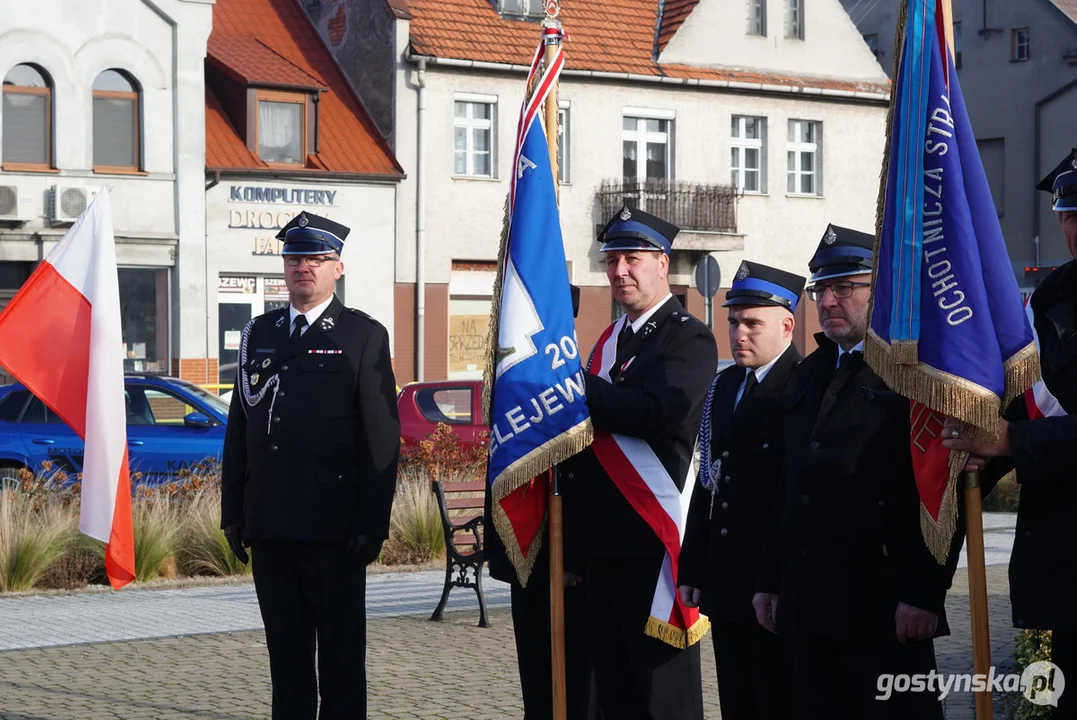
{"points": [[847, 576]]}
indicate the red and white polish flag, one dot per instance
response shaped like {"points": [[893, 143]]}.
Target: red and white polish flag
{"points": [[61, 337]]}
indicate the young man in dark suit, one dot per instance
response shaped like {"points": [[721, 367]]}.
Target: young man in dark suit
{"points": [[732, 507]]}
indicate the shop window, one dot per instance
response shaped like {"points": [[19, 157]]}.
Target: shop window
{"points": [[144, 316]]}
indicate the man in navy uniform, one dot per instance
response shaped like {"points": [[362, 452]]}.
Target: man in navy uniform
{"points": [[309, 474], [732, 508], [848, 575], [531, 623], [1038, 443], [660, 361]]}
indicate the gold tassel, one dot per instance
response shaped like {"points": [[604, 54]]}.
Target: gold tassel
{"points": [[1022, 371], [698, 630], [515, 476], [938, 535], [905, 352], [675, 636]]}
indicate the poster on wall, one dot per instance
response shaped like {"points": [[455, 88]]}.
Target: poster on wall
{"points": [[468, 324]]}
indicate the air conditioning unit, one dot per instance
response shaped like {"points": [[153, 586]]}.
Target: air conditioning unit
{"points": [[68, 202], [9, 202]]}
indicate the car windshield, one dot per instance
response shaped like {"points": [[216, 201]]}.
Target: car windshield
{"points": [[208, 398]]}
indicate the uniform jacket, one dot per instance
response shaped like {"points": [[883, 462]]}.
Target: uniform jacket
{"points": [[848, 544], [660, 379], [722, 542], [1043, 572], [313, 432]]}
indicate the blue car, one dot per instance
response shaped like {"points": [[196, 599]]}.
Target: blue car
{"points": [[171, 426]]}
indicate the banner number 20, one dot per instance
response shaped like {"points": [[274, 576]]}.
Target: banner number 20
{"points": [[566, 347]]}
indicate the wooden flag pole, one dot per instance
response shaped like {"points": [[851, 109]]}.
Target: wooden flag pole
{"points": [[554, 537], [978, 611]]}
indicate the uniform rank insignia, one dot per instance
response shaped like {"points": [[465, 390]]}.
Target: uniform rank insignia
{"points": [[325, 352], [254, 379], [265, 363], [327, 323], [280, 321], [649, 328]]}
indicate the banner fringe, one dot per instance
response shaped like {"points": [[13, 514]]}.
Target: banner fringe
{"points": [[939, 534], [1021, 371], [521, 472], [493, 329], [905, 352], [675, 636]]}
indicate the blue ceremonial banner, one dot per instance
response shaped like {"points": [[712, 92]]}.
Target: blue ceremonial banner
{"points": [[536, 407], [948, 328]]}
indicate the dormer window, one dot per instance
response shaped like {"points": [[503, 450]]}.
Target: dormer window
{"points": [[522, 8], [282, 127]]}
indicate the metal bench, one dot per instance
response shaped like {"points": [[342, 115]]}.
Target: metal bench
{"points": [[461, 506]]}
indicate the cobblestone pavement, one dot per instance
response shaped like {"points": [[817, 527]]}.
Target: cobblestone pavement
{"points": [[225, 675]]}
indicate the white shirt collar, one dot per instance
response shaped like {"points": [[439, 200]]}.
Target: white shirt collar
{"points": [[312, 315], [859, 347], [642, 319], [761, 372]]}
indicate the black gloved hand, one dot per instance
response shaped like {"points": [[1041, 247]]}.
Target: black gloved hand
{"points": [[234, 535], [362, 550]]}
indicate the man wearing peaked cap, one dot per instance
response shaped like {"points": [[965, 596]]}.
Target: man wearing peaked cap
{"points": [[1039, 446], [309, 473], [846, 576], [645, 386], [732, 508]]}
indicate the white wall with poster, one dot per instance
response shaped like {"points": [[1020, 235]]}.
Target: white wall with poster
{"points": [[471, 290]]}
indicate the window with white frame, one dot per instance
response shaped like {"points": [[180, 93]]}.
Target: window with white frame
{"points": [[757, 17], [748, 150], [647, 146], [473, 136], [562, 143], [526, 8], [1020, 44], [803, 153], [794, 19]]}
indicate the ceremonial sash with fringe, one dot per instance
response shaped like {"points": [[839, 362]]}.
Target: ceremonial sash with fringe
{"points": [[1038, 399], [640, 476]]}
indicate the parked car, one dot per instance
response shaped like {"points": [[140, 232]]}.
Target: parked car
{"points": [[457, 403], [171, 426]]}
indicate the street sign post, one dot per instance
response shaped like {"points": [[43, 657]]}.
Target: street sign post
{"points": [[708, 278]]}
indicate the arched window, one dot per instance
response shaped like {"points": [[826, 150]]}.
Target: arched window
{"points": [[27, 111], [116, 122]]}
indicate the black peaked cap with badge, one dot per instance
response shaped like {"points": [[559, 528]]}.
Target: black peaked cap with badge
{"points": [[757, 285], [310, 234], [1061, 182], [842, 252], [632, 229]]}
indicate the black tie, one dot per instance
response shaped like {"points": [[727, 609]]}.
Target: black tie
{"points": [[300, 323], [749, 384], [848, 357], [627, 333]]}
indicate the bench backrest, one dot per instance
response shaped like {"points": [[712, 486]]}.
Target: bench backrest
{"points": [[461, 502]]}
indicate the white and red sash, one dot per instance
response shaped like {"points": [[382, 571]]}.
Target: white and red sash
{"points": [[645, 483], [1038, 399]]}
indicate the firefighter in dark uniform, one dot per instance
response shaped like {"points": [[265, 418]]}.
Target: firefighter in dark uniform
{"points": [[531, 624], [849, 577], [664, 362], [309, 474], [1043, 568], [732, 508]]}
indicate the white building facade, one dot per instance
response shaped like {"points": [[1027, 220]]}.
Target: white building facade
{"points": [[93, 95]]}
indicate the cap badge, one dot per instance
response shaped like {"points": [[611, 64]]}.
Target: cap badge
{"points": [[625, 214], [831, 237], [1073, 162], [254, 379], [303, 222], [742, 271]]}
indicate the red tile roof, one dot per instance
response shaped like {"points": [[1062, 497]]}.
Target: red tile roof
{"points": [[606, 36], [249, 61], [272, 42]]}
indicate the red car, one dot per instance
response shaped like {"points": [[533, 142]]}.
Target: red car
{"points": [[457, 403]]}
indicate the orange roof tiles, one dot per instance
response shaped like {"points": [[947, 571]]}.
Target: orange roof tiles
{"points": [[609, 36], [248, 60], [243, 32]]}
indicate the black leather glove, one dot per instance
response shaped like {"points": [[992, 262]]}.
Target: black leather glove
{"points": [[234, 535], [362, 550]]}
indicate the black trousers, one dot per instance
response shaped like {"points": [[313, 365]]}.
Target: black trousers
{"points": [[636, 676], [531, 622], [838, 679], [312, 602], [1064, 655], [752, 663]]}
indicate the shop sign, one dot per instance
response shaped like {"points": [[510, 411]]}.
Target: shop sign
{"points": [[285, 196], [275, 290], [240, 285]]}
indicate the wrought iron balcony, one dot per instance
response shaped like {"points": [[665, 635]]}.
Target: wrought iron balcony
{"points": [[689, 206]]}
